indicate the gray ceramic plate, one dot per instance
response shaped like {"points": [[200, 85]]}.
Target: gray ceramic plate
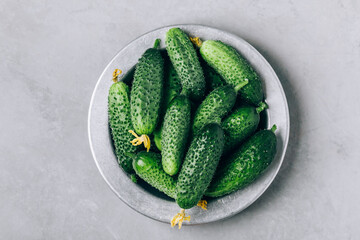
{"points": [[149, 202]]}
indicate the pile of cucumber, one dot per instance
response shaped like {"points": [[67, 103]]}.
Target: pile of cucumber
{"points": [[200, 103]]}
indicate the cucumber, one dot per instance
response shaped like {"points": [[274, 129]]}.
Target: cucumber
{"points": [[233, 68], [172, 88], [146, 92], [157, 137], [241, 124], [172, 85], [174, 134], [199, 165], [147, 166], [186, 63], [212, 78], [120, 123], [245, 165], [215, 106]]}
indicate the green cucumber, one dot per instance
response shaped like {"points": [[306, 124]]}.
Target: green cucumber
{"points": [[172, 88], [146, 92], [174, 134], [233, 68], [186, 63], [241, 124], [215, 106], [212, 78], [245, 165], [120, 123], [199, 165], [147, 166], [172, 85], [157, 137]]}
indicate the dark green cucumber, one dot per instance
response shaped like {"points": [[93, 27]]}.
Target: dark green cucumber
{"points": [[157, 137], [199, 165], [172, 88], [174, 134], [172, 85], [186, 63], [215, 106], [146, 92], [147, 166], [212, 78], [245, 165], [233, 68], [120, 123], [241, 124]]}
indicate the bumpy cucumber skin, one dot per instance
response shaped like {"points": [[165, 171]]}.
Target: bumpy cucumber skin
{"points": [[239, 125], [147, 166], [120, 123], [175, 133], [186, 63], [146, 92], [245, 165], [199, 165], [233, 68], [214, 107]]}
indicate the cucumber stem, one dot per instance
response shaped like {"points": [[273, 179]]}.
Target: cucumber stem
{"points": [[273, 128], [196, 41], [202, 204], [116, 73], [241, 85], [157, 43], [139, 140], [262, 107], [179, 218]]}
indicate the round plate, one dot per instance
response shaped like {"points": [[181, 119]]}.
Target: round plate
{"points": [[148, 202]]}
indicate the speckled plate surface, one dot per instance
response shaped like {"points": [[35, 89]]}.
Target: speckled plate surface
{"points": [[147, 201]]}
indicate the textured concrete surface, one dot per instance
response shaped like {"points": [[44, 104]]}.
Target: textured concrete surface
{"points": [[52, 53]]}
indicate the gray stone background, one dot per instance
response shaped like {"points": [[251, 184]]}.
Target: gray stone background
{"points": [[52, 53]]}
